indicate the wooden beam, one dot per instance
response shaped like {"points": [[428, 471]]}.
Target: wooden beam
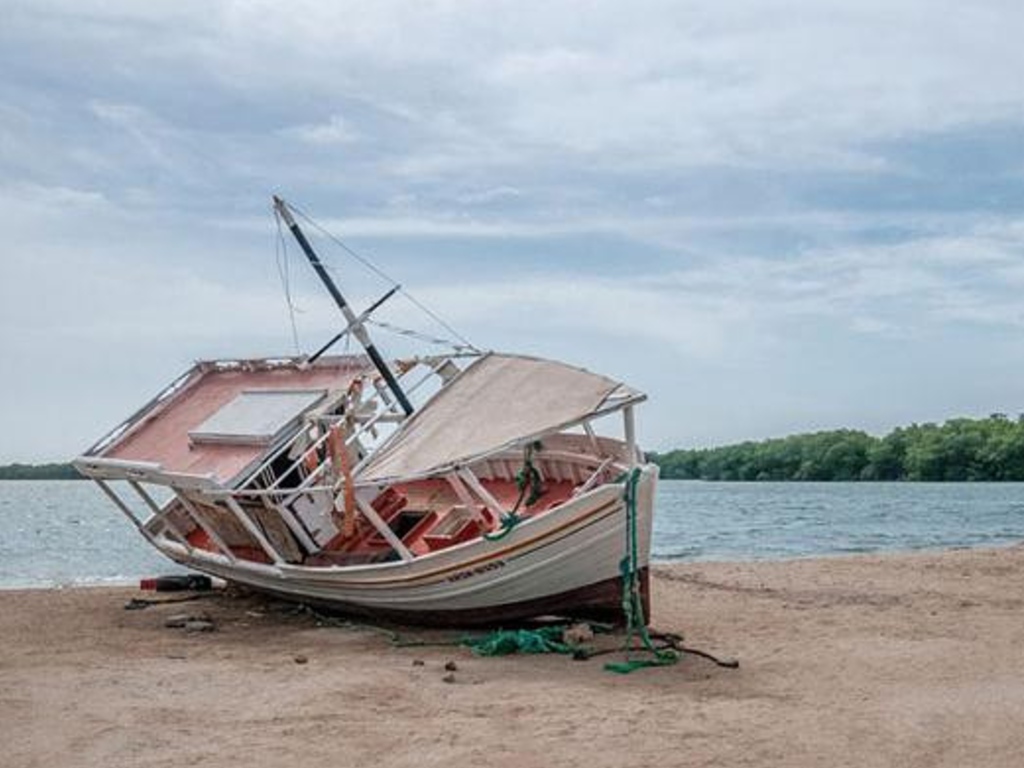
{"points": [[160, 515], [253, 530], [197, 516], [467, 500], [630, 428], [112, 495], [492, 504], [383, 529]]}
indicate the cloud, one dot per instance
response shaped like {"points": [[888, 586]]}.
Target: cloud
{"points": [[147, 132], [726, 201], [335, 131], [769, 85], [491, 195], [556, 303]]}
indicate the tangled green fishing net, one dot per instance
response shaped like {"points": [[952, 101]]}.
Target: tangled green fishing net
{"points": [[509, 641]]}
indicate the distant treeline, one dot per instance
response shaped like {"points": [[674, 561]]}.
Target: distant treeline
{"points": [[959, 449], [39, 472]]}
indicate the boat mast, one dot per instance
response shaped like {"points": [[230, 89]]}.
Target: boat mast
{"points": [[354, 323]]}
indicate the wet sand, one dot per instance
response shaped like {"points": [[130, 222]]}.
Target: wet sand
{"points": [[897, 660]]}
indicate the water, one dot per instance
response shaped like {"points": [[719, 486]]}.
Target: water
{"points": [[752, 521], [66, 532]]}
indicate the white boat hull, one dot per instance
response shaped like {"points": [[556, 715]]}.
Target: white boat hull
{"points": [[567, 561]]}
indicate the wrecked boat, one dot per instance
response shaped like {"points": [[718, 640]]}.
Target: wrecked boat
{"points": [[445, 489]]}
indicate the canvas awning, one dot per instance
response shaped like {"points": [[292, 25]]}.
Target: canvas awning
{"points": [[499, 401]]}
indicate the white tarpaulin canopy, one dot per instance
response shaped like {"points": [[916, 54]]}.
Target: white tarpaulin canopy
{"points": [[500, 400]]}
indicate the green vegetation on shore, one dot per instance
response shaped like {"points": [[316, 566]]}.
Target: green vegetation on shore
{"points": [[988, 449], [39, 472], [959, 449]]}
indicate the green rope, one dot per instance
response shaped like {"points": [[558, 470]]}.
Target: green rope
{"points": [[508, 521], [527, 477], [507, 641], [632, 603]]}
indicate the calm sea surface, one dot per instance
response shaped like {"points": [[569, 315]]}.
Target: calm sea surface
{"points": [[66, 532]]}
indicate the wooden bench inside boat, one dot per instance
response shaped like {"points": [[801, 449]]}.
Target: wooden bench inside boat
{"points": [[408, 525], [388, 505], [456, 526]]}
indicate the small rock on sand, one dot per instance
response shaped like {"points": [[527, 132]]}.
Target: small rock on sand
{"points": [[577, 634]]}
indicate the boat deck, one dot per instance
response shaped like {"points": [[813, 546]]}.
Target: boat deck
{"points": [[426, 516]]}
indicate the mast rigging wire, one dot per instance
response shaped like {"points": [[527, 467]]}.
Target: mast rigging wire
{"points": [[466, 344], [420, 336], [281, 257]]}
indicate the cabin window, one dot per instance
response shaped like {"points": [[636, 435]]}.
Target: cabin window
{"points": [[256, 416]]}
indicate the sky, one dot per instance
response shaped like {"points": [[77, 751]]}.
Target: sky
{"points": [[772, 217]]}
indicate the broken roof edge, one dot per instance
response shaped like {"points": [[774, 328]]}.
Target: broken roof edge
{"points": [[102, 469], [196, 372], [299, 362]]}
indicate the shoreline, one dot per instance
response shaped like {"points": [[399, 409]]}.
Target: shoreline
{"points": [[130, 582], [911, 659]]}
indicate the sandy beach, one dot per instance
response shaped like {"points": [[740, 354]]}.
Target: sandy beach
{"points": [[908, 660]]}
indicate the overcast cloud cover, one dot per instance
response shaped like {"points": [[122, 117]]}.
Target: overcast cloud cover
{"points": [[773, 216]]}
